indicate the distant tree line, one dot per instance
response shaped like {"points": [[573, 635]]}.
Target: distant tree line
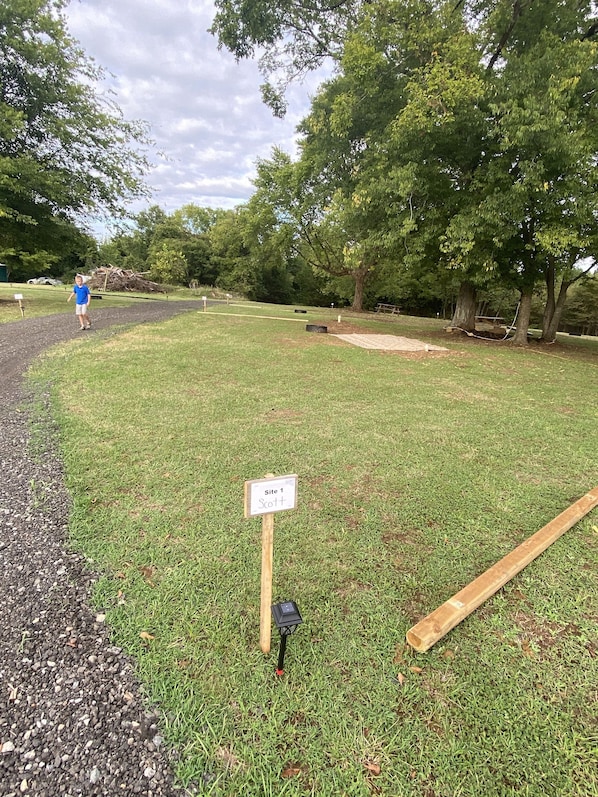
{"points": [[235, 250]]}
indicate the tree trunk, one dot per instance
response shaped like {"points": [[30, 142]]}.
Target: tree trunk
{"points": [[554, 310], [464, 315], [549, 332], [550, 305], [525, 306], [360, 275]]}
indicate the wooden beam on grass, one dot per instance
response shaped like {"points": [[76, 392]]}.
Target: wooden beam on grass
{"points": [[437, 624]]}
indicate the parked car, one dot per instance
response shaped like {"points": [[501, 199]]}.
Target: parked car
{"points": [[44, 281]]}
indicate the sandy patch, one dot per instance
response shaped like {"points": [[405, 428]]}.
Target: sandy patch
{"points": [[388, 342]]}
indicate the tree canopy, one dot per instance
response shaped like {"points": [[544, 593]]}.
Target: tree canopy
{"points": [[292, 37], [66, 152]]}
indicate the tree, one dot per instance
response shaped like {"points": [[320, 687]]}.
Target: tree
{"points": [[167, 262], [298, 221], [387, 142], [545, 123], [494, 155], [196, 220], [195, 223], [185, 232], [65, 152], [230, 253], [555, 300]]}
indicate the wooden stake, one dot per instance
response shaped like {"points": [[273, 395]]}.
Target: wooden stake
{"points": [[433, 627], [266, 591]]}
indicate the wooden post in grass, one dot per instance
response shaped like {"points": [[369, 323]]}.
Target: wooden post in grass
{"points": [[433, 627], [19, 298], [265, 497], [266, 582]]}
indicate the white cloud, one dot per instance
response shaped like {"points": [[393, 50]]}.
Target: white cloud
{"points": [[204, 109]]}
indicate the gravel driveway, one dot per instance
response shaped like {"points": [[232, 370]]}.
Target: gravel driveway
{"points": [[73, 720]]}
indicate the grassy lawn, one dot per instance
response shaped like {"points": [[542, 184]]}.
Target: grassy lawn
{"points": [[415, 474], [38, 300]]}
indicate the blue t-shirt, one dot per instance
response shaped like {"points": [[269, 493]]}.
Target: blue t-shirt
{"points": [[81, 293]]}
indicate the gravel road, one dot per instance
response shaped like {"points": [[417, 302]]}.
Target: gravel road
{"points": [[73, 719]]}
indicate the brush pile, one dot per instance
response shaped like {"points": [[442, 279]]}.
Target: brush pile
{"points": [[111, 278]]}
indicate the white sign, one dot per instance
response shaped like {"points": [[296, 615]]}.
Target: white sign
{"points": [[18, 297], [263, 496]]}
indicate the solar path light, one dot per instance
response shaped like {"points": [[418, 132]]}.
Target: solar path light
{"points": [[288, 619]]}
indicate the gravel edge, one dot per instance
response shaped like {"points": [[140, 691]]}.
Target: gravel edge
{"points": [[73, 717]]}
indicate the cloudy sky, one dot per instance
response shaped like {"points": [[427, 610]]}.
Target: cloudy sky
{"points": [[205, 110]]}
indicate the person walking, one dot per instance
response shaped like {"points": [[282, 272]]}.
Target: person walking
{"points": [[82, 302]]}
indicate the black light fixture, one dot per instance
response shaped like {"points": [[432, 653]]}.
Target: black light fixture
{"points": [[287, 618]]}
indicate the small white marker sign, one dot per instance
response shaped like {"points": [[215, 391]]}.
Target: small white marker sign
{"points": [[263, 496], [19, 297]]}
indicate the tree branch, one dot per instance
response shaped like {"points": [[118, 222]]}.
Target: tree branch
{"points": [[518, 8]]}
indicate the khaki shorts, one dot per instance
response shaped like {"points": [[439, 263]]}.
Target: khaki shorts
{"points": [[81, 309]]}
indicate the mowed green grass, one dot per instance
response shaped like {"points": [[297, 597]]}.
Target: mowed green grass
{"points": [[38, 300], [415, 474]]}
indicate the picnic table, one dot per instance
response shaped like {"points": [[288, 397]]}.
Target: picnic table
{"points": [[491, 319], [381, 307]]}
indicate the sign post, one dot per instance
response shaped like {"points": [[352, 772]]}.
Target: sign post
{"points": [[266, 580], [19, 298], [265, 497]]}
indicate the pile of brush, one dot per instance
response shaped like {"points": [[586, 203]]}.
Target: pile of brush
{"points": [[111, 278]]}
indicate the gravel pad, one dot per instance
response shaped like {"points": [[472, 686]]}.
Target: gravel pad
{"points": [[73, 720]]}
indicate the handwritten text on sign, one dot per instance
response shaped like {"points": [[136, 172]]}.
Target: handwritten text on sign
{"points": [[263, 496]]}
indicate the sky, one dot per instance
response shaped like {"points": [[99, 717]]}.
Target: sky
{"points": [[204, 109]]}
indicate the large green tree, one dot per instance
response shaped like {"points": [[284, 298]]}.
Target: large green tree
{"points": [[66, 153], [533, 194], [466, 130], [291, 225], [375, 166], [486, 163]]}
